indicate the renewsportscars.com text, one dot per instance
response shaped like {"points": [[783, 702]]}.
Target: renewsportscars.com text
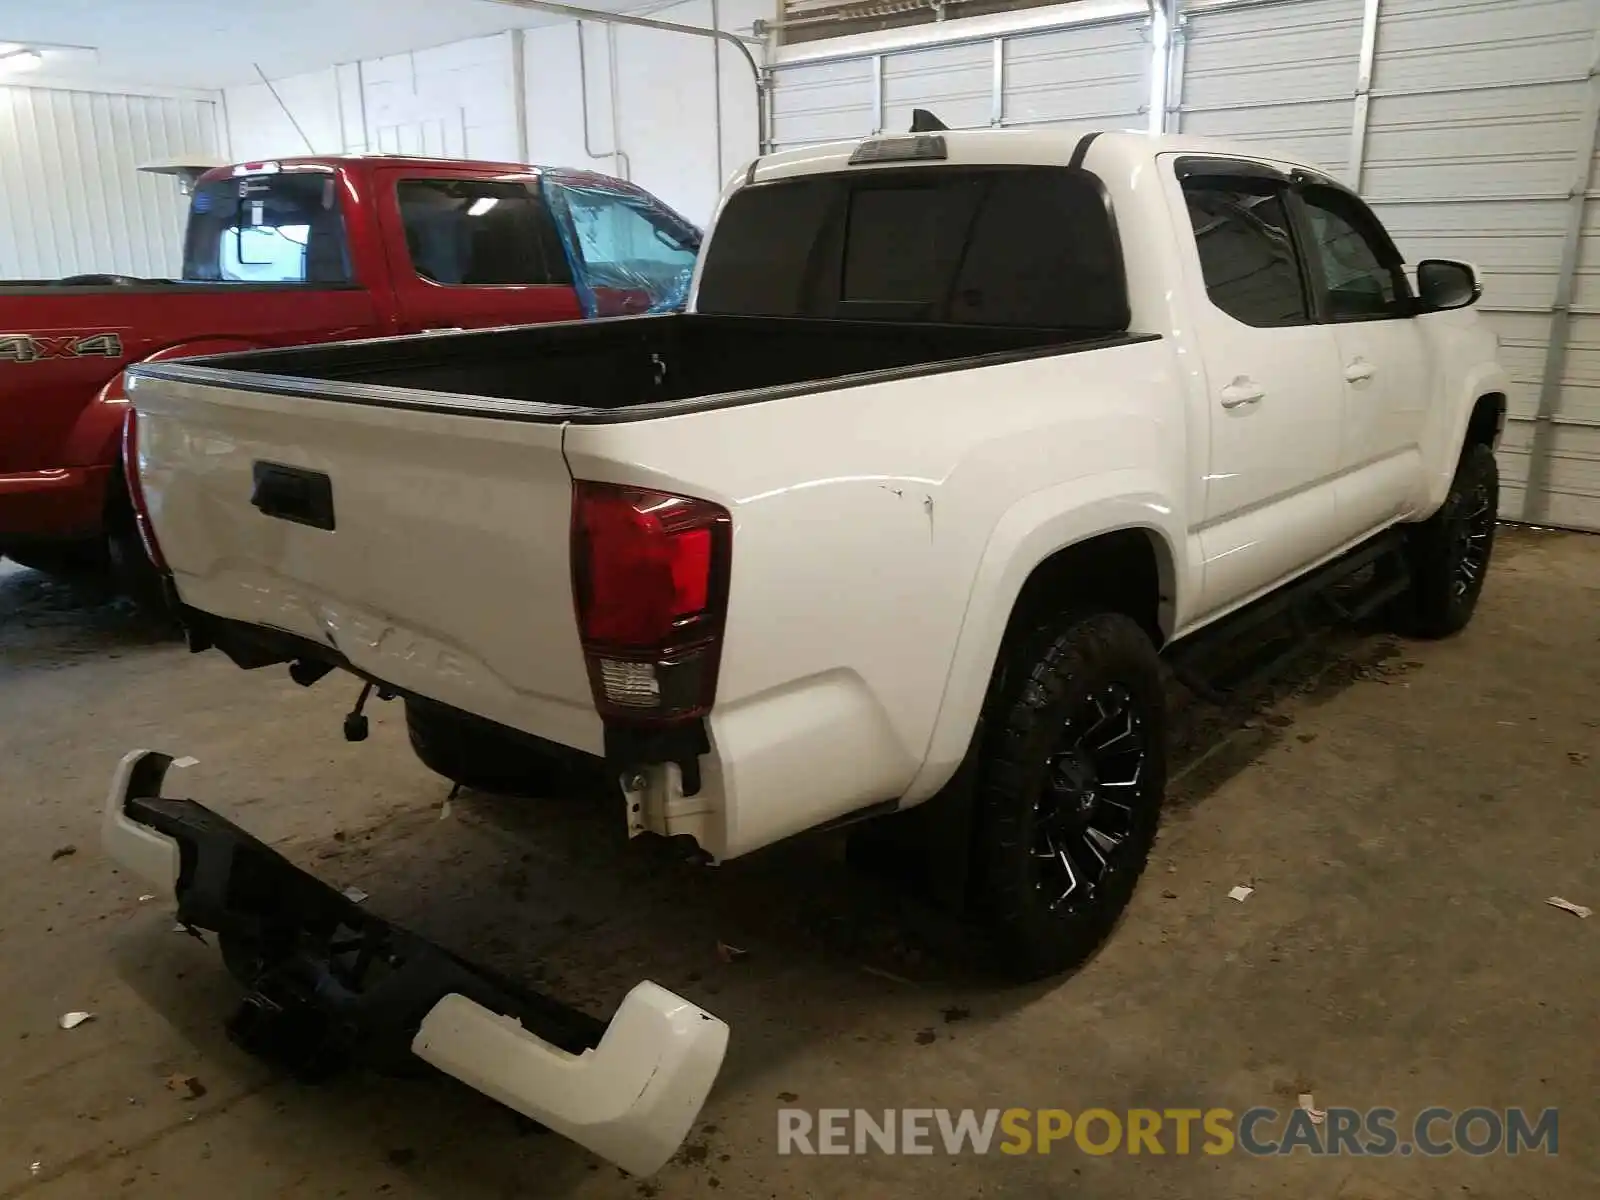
{"points": [[1261, 1132]]}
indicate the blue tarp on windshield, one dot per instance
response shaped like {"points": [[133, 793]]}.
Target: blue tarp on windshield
{"points": [[629, 252]]}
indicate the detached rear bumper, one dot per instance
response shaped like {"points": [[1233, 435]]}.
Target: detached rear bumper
{"points": [[64, 504], [329, 982]]}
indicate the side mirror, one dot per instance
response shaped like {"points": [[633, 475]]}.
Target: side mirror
{"points": [[1443, 283]]}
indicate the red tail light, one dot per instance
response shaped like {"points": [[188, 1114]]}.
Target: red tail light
{"points": [[650, 580], [130, 472]]}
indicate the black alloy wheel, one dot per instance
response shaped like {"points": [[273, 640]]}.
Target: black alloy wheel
{"points": [[1449, 553], [1474, 536], [1084, 816], [1071, 776]]}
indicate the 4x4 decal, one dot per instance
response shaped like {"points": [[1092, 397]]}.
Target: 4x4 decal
{"points": [[36, 347]]}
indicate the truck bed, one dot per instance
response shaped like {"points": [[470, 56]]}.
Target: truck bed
{"points": [[422, 535], [599, 371]]}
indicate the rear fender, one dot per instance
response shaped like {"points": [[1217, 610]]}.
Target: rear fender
{"points": [[1027, 534]]}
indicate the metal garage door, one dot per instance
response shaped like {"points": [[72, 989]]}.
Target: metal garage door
{"points": [[1096, 72], [1472, 128], [1470, 124], [1481, 126], [823, 102], [1280, 75]]}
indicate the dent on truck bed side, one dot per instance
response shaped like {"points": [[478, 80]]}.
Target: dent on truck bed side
{"points": [[1031, 531]]}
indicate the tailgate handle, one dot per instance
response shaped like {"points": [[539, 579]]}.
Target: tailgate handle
{"points": [[293, 494]]}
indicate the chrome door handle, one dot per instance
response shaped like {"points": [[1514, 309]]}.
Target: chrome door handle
{"points": [[1242, 391], [1359, 371]]}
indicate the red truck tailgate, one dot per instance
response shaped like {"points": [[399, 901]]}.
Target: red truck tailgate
{"points": [[430, 547]]}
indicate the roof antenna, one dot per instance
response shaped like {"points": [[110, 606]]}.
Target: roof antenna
{"points": [[923, 121]]}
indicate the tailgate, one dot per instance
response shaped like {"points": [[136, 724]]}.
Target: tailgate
{"points": [[429, 546]]}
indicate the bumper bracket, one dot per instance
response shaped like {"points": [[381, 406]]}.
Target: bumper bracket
{"points": [[329, 983]]}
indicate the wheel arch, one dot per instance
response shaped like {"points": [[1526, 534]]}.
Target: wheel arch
{"points": [[1472, 409], [1120, 554], [1487, 421]]}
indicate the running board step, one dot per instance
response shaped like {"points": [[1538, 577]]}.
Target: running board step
{"points": [[1294, 607]]}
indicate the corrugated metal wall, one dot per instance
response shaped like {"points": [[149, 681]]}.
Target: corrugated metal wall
{"points": [[1478, 111], [1474, 132], [1282, 75], [1470, 124], [71, 198], [1096, 72], [823, 102]]}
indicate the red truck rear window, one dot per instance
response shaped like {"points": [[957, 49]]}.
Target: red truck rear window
{"points": [[272, 228]]}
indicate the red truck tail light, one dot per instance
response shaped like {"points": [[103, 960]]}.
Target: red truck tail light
{"points": [[130, 472], [650, 581]]}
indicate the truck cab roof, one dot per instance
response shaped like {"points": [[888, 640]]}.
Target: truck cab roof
{"points": [[331, 162], [1113, 150]]}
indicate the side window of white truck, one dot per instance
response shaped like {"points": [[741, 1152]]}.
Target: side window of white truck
{"points": [[1247, 250], [1361, 274]]}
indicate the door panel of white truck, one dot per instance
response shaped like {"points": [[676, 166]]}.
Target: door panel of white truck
{"points": [[1273, 385], [1384, 359], [287, 511]]}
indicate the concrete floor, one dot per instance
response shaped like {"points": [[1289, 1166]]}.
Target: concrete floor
{"points": [[1401, 809]]}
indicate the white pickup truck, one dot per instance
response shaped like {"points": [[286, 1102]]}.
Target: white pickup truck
{"points": [[961, 431]]}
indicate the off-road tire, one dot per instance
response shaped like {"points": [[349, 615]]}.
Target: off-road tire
{"points": [[133, 574], [1449, 553], [1053, 678]]}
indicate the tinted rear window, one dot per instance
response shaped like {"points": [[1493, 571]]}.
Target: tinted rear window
{"points": [[1033, 247], [277, 228]]}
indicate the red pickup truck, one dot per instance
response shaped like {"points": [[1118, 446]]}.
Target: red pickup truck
{"points": [[294, 251]]}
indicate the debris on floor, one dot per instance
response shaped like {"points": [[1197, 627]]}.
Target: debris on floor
{"points": [[355, 894], [72, 1020], [730, 954], [1577, 910], [147, 897], [1318, 1115], [189, 1085], [1240, 893], [186, 761], [889, 975], [1577, 757], [66, 851]]}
